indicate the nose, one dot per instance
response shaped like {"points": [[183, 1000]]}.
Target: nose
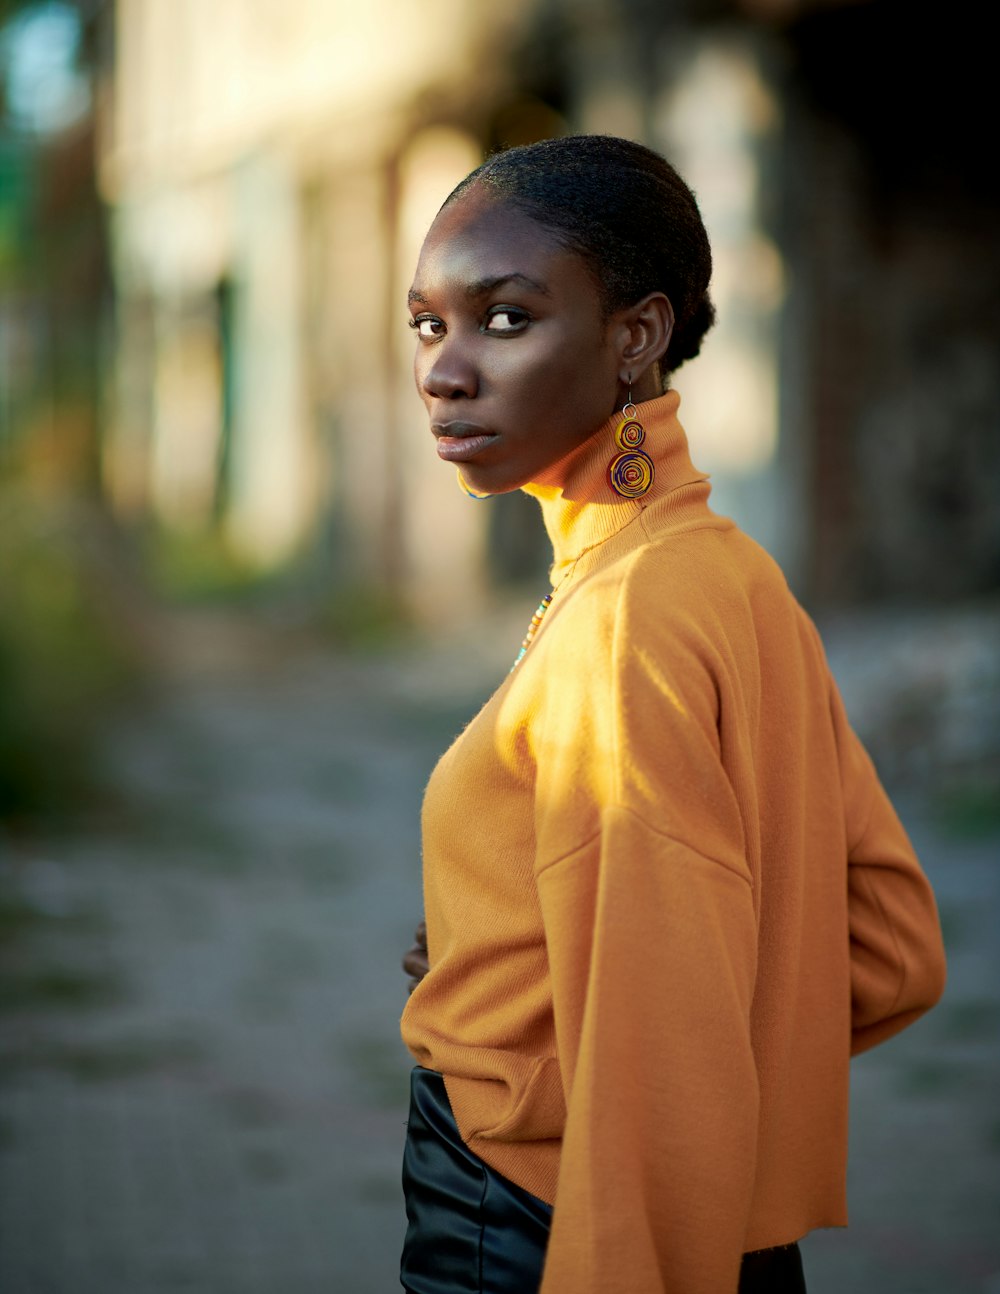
{"points": [[449, 374]]}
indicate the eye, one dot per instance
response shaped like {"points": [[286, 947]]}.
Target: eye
{"points": [[427, 327], [506, 319]]}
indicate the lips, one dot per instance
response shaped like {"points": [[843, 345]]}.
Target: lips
{"points": [[457, 442]]}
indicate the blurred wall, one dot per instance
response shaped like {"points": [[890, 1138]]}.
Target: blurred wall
{"points": [[270, 177]]}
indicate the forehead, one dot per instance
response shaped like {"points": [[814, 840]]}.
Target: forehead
{"points": [[477, 237]]}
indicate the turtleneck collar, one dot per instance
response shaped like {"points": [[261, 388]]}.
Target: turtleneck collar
{"points": [[579, 507]]}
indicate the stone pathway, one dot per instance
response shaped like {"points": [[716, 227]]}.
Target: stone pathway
{"points": [[203, 1088]]}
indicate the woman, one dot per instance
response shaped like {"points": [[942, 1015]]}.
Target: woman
{"points": [[665, 893]]}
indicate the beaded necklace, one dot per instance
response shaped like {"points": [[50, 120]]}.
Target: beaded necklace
{"points": [[533, 628]]}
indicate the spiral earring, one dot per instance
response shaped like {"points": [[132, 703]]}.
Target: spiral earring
{"points": [[630, 472]]}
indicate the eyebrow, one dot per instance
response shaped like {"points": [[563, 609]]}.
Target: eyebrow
{"points": [[480, 287]]}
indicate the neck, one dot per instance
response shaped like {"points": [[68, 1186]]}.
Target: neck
{"points": [[579, 507]]}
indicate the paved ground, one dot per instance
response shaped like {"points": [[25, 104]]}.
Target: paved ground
{"points": [[203, 1088]]}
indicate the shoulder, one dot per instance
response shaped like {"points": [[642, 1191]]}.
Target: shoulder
{"points": [[692, 591]]}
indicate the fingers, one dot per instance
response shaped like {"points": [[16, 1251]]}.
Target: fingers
{"points": [[415, 961]]}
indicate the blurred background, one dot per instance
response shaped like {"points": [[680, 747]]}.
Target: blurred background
{"points": [[243, 607]]}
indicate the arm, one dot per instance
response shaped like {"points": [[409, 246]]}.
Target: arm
{"points": [[897, 954], [652, 949], [651, 938]]}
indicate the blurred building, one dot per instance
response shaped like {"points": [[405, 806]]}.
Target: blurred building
{"points": [[272, 165]]}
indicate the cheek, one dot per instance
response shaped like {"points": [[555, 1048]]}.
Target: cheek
{"points": [[549, 371], [575, 384], [419, 373]]}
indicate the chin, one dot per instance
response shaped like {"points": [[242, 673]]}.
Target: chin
{"points": [[486, 484]]}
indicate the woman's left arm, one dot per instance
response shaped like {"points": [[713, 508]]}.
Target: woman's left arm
{"points": [[652, 948], [651, 935]]}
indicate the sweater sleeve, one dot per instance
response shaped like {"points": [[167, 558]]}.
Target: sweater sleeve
{"points": [[651, 938], [657, 1165], [897, 952]]}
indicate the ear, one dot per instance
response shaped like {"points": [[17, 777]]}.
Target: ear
{"points": [[645, 330]]}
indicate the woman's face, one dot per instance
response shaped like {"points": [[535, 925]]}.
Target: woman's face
{"points": [[515, 363]]}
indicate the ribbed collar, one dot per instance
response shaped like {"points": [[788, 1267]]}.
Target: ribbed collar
{"points": [[579, 507]]}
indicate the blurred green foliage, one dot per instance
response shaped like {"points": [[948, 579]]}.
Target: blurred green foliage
{"points": [[357, 618], [970, 811], [62, 656], [199, 567]]}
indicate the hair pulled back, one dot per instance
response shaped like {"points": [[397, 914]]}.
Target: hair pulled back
{"points": [[626, 211]]}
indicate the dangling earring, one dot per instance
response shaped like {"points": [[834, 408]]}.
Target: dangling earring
{"points": [[630, 473]]}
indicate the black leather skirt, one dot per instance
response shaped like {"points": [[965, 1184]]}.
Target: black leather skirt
{"points": [[471, 1231]]}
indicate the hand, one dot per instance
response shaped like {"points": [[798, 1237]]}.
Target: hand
{"points": [[415, 960]]}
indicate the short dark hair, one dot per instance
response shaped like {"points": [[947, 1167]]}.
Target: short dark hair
{"points": [[626, 211]]}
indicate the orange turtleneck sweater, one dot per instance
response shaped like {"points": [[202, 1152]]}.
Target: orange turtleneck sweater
{"points": [[666, 896]]}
